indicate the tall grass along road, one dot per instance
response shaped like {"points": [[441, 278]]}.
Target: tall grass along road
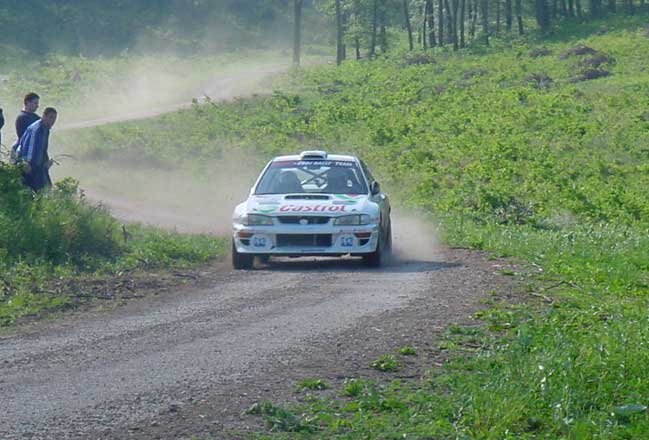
{"points": [[123, 374]]}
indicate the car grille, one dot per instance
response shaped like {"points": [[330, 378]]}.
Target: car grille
{"points": [[297, 240], [296, 220]]}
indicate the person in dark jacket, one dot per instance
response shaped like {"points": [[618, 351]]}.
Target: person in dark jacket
{"points": [[33, 151], [2, 123], [28, 116]]}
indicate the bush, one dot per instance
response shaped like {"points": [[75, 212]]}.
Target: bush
{"points": [[57, 226]]}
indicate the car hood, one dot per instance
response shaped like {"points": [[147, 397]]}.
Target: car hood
{"points": [[308, 204]]}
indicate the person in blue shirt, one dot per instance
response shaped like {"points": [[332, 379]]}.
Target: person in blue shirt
{"points": [[32, 151]]}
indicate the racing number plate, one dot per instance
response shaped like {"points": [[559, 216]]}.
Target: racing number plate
{"points": [[346, 241], [259, 241]]}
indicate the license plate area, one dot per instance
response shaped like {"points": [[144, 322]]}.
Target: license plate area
{"points": [[304, 240]]}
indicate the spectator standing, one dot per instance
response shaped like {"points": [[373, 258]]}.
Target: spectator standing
{"points": [[2, 123], [28, 115], [33, 151]]}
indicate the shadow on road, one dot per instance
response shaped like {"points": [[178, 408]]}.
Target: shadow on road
{"points": [[397, 265]]}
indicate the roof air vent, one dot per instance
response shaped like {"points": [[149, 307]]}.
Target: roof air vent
{"points": [[313, 155]]}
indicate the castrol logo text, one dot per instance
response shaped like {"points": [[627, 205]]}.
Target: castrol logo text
{"points": [[315, 208]]}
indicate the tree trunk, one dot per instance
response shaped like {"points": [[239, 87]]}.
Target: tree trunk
{"points": [[595, 7], [612, 6], [543, 14], [432, 40], [474, 19], [440, 20], [340, 48], [508, 15], [456, 44], [375, 18], [519, 17], [384, 33], [462, 11], [497, 16], [424, 26], [406, 15], [449, 23], [484, 12], [578, 8], [297, 30], [571, 8]]}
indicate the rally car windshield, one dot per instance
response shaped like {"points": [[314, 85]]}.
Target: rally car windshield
{"points": [[312, 176]]}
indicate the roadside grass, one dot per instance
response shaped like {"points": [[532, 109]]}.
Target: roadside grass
{"points": [[58, 236], [509, 150], [312, 385], [408, 350], [386, 363]]}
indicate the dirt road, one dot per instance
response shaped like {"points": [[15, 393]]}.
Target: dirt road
{"points": [[221, 88], [188, 363]]}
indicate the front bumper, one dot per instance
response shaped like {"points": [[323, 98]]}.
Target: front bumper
{"points": [[306, 240]]}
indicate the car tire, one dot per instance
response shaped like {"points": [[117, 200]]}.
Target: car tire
{"points": [[263, 259], [241, 261], [375, 258], [388, 239]]}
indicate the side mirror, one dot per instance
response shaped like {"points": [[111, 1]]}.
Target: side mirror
{"points": [[376, 188]]}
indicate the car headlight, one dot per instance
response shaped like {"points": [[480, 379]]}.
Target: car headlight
{"points": [[353, 220], [255, 220]]}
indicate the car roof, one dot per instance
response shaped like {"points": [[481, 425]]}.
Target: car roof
{"points": [[339, 157]]}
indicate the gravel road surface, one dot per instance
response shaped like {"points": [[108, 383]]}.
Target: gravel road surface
{"points": [[121, 374]]}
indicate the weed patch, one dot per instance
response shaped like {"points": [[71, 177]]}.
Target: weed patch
{"points": [[386, 363]]}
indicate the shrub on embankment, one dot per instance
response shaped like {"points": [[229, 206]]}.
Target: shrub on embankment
{"points": [[58, 234], [56, 226]]}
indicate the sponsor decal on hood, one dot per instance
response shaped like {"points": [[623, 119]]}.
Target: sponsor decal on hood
{"points": [[337, 203]]}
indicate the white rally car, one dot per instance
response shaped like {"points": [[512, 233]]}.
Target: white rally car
{"points": [[312, 204]]}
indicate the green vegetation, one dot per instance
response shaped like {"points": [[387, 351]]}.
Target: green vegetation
{"points": [[58, 235], [312, 384], [533, 149], [407, 350], [281, 419], [385, 363]]}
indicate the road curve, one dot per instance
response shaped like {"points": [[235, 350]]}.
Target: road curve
{"points": [[110, 370], [220, 88]]}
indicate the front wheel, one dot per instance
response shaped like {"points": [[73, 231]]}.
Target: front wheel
{"points": [[383, 249], [241, 261], [388, 239]]}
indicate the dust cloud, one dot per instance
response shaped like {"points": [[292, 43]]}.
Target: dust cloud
{"points": [[146, 89], [186, 200], [414, 238], [176, 199]]}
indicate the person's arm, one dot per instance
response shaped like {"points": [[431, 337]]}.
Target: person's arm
{"points": [[19, 124]]}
